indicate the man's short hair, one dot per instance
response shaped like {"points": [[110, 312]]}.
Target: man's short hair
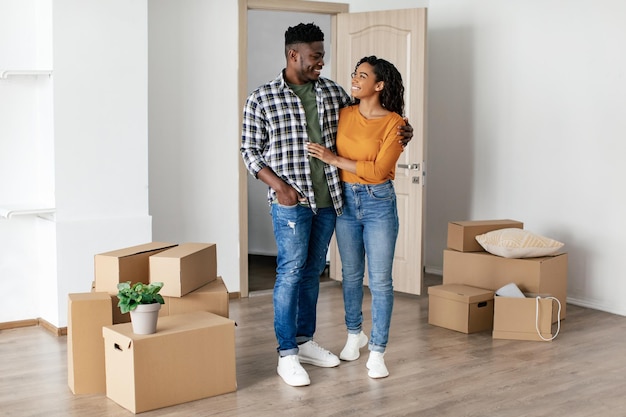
{"points": [[303, 33]]}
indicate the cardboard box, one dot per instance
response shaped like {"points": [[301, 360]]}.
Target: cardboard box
{"points": [[460, 307], [118, 317], [87, 313], [545, 275], [191, 356], [212, 297], [129, 264], [462, 234], [515, 318], [184, 268]]}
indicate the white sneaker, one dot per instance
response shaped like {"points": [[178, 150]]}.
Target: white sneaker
{"points": [[355, 342], [376, 365], [312, 353], [292, 372]]}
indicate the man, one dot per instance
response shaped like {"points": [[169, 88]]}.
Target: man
{"points": [[279, 118]]}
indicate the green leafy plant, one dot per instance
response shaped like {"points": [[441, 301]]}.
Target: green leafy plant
{"points": [[130, 296]]}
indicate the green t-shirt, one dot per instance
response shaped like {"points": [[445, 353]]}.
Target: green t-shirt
{"points": [[320, 186]]}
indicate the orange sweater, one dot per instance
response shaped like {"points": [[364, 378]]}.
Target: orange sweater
{"points": [[373, 143]]}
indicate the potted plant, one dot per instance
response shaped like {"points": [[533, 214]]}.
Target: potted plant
{"points": [[143, 301]]}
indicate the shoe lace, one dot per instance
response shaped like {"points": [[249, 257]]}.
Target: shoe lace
{"points": [[313, 345], [292, 362]]}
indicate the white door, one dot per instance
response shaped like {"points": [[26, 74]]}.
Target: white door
{"points": [[398, 36]]}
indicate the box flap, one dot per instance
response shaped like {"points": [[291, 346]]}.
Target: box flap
{"points": [[182, 250], [133, 250], [461, 293]]}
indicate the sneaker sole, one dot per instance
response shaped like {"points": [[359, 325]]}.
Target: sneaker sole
{"points": [[377, 376]]}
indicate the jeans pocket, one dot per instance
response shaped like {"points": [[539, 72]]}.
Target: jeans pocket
{"points": [[384, 191], [283, 206]]}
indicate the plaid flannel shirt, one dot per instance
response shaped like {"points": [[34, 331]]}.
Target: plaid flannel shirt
{"points": [[274, 135]]}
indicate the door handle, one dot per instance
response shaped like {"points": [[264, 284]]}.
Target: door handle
{"points": [[409, 166]]}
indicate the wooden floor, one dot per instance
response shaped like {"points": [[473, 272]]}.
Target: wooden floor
{"points": [[434, 371]]}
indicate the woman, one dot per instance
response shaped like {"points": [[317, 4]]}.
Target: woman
{"points": [[367, 152]]}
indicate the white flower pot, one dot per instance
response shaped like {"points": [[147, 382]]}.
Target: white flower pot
{"points": [[144, 318]]}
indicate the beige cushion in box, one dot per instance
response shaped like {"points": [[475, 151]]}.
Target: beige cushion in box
{"points": [[518, 243]]}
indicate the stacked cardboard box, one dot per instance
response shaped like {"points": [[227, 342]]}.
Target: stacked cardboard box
{"points": [[462, 234], [87, 313], [191, 356], [128, 264], [545, 275], [212, 297], [189, 273], [121, 265], [184, 268], [466, 263], [460, 307]]}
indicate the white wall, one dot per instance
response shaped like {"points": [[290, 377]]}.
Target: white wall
{"points": [[100, 134], [194, 126], [526, 103]]}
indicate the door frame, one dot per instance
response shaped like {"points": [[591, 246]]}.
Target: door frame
{"points": [[331, 9]]}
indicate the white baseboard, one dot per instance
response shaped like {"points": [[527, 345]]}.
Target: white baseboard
{"points": [[433, 270], [595, 306]]}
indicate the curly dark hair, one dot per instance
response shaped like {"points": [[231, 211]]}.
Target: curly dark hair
{"points": [[392, 96], [303, 33]]}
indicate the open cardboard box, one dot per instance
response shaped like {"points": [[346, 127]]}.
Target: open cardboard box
{"points": [[128, 264], [519, 318]]}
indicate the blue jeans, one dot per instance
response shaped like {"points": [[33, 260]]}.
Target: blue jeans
{"points": [[302, 238], [368, 227]]}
